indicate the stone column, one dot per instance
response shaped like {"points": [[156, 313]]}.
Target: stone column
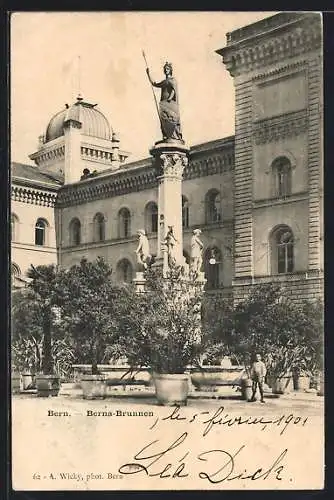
{"points": [[170, 159]]}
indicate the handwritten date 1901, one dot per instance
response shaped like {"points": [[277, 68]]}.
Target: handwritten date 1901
{"points": [[220, 465]]}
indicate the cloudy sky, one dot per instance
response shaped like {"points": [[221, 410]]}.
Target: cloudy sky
{"points": [[44, 72]]}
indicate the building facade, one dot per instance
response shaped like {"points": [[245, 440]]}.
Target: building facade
{"points": [[257, 196], [276, 65]]}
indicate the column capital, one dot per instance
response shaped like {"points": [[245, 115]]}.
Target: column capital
{"points": [[170, 159], [173, 163]]}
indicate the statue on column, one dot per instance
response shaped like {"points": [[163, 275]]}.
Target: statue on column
{"points": [[169, 104], [171, 242], [196, 258], [143, 251]]}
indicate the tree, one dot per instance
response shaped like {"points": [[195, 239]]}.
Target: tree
{"points": [[162, 328], [27, 332], [217, 327], [42, 286], [91, 308], [287, 334], [38, 341]]}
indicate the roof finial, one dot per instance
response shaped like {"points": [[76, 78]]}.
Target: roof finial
{"points": [[79, 96]]}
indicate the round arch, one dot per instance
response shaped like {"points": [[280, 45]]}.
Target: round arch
{"points": [[124, 271]]}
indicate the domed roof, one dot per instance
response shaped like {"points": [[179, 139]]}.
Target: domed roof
{"points": [[94, 123]]}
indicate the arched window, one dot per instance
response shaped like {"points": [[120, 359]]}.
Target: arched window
{"points": [[124, 271], [75, 232], [124, 223], [212, 267], [282, 243], [14, 220], [213, 206], [281, 168], [185, 212], [151, 217], [40, 232], [99, 227]]}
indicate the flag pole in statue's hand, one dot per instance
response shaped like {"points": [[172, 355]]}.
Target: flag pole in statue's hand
{"points": [[155, 99]]}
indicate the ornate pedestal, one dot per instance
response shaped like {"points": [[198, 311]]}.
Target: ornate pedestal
{"points": [[139, 281]]}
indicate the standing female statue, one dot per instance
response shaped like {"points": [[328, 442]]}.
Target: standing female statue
{"points": [[143, 250], [169, 104], [196, 258]]}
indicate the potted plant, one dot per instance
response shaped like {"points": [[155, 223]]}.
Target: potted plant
{"points": [[301, 376], [287, 333], [40, 348], [89, 305], [15, 380], [216, 371], [25, 352], [163, 331], [279, 367]]}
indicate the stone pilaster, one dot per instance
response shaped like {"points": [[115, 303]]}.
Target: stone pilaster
{"points": [[72, 167]]}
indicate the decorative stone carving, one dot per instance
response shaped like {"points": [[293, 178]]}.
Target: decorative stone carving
{"points": [[247, 53], [280, 127], [196, 252], [33, 196], [127, 181], [169, 112], [171, 246], [173, 164]]}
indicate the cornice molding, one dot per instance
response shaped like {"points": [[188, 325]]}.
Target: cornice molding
{"points": [[51, 154], [281, 71], [127, 181], [33, 196], [112, 186], [270, 202], [280, 127], [268, 48]]}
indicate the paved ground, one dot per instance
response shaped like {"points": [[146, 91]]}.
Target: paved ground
{"points": [[297, 402]]}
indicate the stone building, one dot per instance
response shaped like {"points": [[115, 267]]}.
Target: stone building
{"points": [[276, 65], [257, 196]]}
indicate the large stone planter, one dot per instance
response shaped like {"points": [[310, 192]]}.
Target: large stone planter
{"points": [[281, 385], [171, 389], [47, 385], [246, 388], [115, 375], [212, 378], [16, 383], [301, 382], [321, 391], [93, 386], [27, 381]]}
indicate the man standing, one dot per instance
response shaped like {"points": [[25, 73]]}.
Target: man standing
{"points": [[258, 373]]}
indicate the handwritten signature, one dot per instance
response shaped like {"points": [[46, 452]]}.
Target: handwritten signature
{"points": [[221, 417], [220, 465]]}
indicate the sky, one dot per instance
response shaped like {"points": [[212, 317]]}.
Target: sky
{"points": [[46, 49]]}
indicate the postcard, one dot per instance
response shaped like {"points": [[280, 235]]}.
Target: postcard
{"points": [[167, 251]]}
